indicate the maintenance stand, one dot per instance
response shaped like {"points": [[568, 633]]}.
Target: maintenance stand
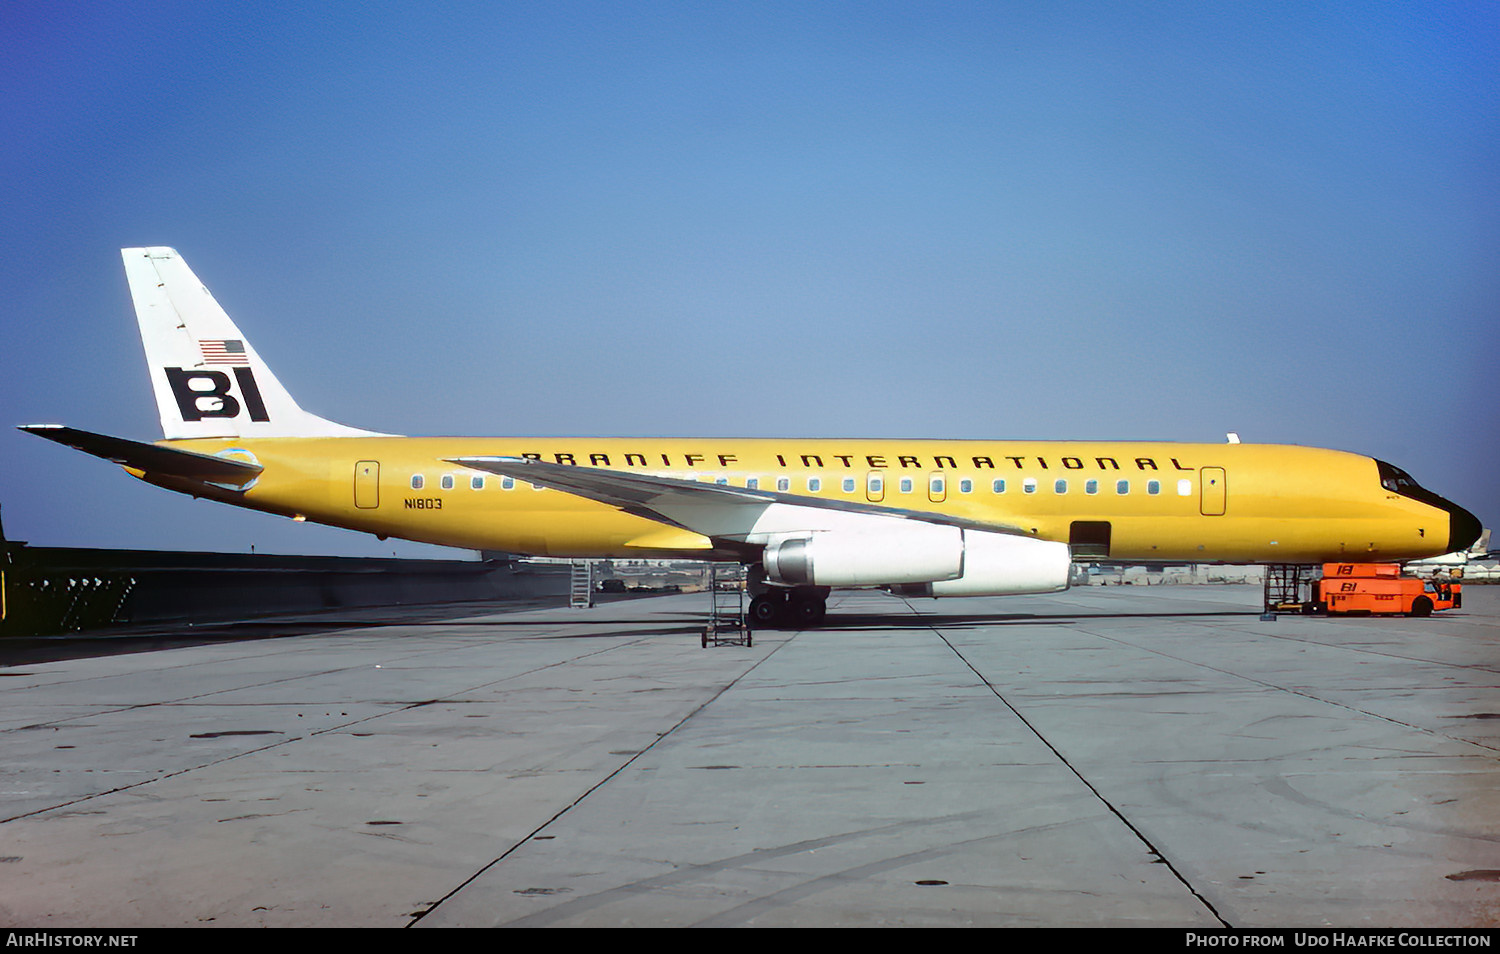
{"points": [[727, 625]]}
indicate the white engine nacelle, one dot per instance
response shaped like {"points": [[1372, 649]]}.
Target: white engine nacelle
{"points": [[998, 564], [903, 552], [921, 559]]}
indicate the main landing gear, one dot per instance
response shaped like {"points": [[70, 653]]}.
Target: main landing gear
{"points": [[801, 608]]}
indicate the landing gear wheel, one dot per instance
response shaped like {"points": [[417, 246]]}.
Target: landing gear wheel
{"points": [[805, 612], [766, 611]]}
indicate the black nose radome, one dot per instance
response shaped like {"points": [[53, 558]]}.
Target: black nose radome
{"points": [[1463, 528]]}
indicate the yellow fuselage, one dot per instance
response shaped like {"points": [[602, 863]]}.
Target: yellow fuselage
{"points": [[1232, 503]]}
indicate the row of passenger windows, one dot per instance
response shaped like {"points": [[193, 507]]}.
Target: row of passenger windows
{"points": [[936, 485], [477, 482]]}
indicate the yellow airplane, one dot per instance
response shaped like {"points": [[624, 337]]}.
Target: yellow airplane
{"points": [[917, 517]]}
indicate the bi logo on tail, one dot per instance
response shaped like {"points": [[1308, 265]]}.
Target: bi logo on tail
{"points": [[202, 394]]}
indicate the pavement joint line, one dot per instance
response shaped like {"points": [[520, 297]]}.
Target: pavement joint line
{"points": [[1079, 775], [598, 785]]}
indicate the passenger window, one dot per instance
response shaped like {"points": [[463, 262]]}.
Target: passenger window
{"points": [[1028, 486], [783, 484], [998, 487], [1153, 486], [752, 483], [906, 485], [721, 480], [1184, 488], [936, 486], [1091, 486], [507, 483], [476, 483], [1060, 487], [447, 481], [417, 481], [848, 485], [1122, 487], [814, 484], [966, 486]]}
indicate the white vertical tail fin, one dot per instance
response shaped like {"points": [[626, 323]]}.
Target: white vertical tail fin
{"points": [[1481, 547], [209, 382]]}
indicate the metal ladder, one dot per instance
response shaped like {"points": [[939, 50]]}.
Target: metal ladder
{"points": [[727, 625], [581, 585]]}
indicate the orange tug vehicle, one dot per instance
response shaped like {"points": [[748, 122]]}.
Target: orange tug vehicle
{"points": [[1380, 589]]}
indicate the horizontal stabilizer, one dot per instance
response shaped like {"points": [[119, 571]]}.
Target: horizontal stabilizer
{"points": [[152, 458]]}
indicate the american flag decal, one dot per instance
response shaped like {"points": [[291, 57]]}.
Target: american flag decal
{"points": [[223, 352]]}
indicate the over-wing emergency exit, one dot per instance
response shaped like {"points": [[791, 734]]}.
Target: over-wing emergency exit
{"points": [[919, 517]]}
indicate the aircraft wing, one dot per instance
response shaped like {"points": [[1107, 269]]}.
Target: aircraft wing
{"points": [[152, 458], [717, 511]]}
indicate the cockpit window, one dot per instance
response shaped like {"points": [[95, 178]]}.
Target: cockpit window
{"points": [[1398, 481]]}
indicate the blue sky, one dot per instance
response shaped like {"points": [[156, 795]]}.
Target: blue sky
{"points": [[988, 220]]}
